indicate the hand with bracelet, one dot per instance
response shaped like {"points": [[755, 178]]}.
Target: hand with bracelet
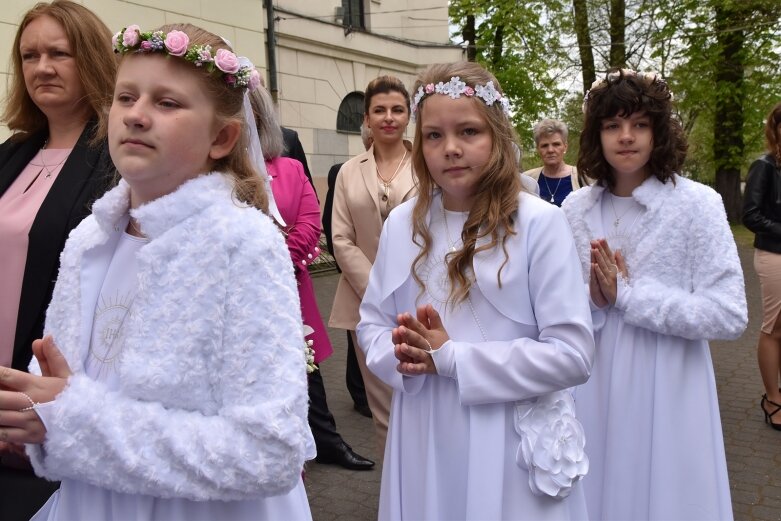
{"points": [[20, 392], [415, 339]]}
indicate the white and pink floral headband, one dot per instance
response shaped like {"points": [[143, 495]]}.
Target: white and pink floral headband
{"points": [[456, 88], [236, 71]]}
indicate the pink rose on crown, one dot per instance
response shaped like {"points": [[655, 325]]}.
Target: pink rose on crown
{"points": [[114, 40], [226, 61], [146, 46], [176, 42], [131, 35]]}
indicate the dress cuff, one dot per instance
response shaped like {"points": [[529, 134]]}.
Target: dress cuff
{"points": [[46, 412], [445, 360], [623, 292]]}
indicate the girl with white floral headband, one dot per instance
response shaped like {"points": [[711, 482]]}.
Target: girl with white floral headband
{"points": [[470, 316], [663, 273], [171, 383]]}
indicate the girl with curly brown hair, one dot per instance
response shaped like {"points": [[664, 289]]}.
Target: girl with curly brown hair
{"points": [[664, 276]]}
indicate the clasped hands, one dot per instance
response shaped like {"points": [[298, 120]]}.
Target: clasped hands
{"points": [[415, 338], [20, 391], [605, 267]]}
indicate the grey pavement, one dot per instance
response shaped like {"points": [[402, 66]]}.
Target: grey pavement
{"points": [[753, 448]]}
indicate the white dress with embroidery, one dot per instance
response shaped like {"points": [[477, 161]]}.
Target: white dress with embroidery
{"points": [[650, 409], [454, 450]]}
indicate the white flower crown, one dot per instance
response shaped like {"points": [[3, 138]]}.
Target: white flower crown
{"points": [[614, 75], [455, 88]]}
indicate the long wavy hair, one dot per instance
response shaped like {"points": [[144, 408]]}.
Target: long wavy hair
{"points": [[495, 204], [228, 106], [773, 133], [622, 93]]}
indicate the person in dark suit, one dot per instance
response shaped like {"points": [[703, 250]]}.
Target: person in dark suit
{"points": [[352, 376], [295, 150], [51, 170]]}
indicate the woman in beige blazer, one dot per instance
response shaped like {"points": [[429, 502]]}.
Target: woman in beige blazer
{"points": [[368, 187]]}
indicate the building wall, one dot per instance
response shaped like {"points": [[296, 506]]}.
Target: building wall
{"points": [[318, 62]]}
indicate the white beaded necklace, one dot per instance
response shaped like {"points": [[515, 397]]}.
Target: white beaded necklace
{"points": [[468, 297]]}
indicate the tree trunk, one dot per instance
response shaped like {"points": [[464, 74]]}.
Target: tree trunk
{"points": [[498, 46], [728, 145], [470, 35], [617, 33], [584, 44]]}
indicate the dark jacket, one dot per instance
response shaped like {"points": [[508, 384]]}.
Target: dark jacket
{"points": [[328, 207], [86, 174], [295, 150], [762, 204]]}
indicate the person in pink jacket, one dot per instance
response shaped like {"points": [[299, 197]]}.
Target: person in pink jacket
{"points": [[298, 206]]}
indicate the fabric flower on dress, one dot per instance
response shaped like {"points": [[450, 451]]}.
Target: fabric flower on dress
{"points": [[552, 443], [309, 351], [455, 88], [236, 71]]}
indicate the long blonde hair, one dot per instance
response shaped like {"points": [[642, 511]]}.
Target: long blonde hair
{"points": [[496, 199]]}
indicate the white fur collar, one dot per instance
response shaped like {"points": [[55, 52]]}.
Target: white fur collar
{"points": [[155, 217]]}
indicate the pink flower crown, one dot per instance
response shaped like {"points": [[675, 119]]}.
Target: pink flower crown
{"points": [[455, 88], [236, 71]]}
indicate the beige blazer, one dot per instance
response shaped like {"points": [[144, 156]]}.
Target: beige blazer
{"points": [[534, 173], [356, 224]]}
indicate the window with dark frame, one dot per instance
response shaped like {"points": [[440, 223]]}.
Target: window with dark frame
{"points": [[350, 115], [353, 14]]}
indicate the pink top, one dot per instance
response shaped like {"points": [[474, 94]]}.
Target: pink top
{"points": [[18, 207]]}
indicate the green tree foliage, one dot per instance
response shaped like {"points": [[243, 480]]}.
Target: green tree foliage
{"points": [[519, 42], [722, 59]]}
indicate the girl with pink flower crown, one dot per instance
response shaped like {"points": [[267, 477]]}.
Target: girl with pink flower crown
{"points": [[171, 383], [470, 316], [663, 273]]}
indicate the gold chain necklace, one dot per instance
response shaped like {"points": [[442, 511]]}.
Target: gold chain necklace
{"points": [[386, 184]]}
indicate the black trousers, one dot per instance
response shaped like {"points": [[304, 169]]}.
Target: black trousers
{"points": [[22, 493], [352, 376], [321, 421]]}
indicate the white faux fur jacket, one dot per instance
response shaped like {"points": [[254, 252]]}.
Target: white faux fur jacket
{"points": [[212, 402], [685, 277]]}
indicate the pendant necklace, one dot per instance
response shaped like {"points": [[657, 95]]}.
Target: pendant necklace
{"points": [[386, 184], [618, 218], [43, 162], [468, 297], [452, 247], [547, 187]]}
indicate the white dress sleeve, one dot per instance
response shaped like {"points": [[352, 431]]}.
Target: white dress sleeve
{"points": [[378, 318], [715, 306], [255, 443], [506, 371]]}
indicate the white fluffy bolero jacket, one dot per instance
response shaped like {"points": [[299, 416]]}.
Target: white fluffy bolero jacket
{"points": [[212, 399], [685, 277]]}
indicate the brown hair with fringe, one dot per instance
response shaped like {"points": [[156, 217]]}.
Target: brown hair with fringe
{"points": [[384, 85], [90, 44], [623, 94], [773, 133], [495, 204], [228, 106]]}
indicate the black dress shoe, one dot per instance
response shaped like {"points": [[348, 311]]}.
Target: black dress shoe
{"points": [[363, 410], [344, 456]]}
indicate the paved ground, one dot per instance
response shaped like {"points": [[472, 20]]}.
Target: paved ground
{"points": [[753, 449]]}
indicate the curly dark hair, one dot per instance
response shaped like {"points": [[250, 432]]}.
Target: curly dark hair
{"points": [[623, 93]]}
